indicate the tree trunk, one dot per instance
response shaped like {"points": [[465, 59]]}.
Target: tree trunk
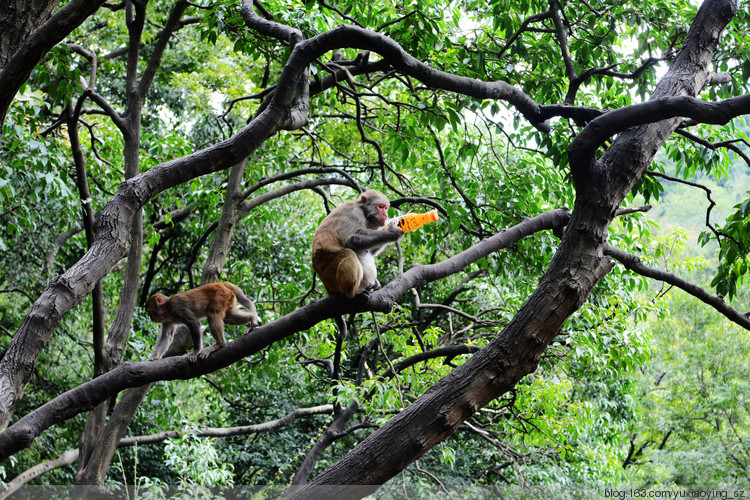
{"points": [[219, 251], [23, 46], [18, 19]]}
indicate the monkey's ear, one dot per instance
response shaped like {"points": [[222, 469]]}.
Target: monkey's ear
{"points": [[363, 198], [159, 300]]}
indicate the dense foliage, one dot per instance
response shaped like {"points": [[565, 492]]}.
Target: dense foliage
{"points": [[638, 386]]}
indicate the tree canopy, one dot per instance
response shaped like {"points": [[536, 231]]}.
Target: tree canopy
{"points": [[555, 326]]}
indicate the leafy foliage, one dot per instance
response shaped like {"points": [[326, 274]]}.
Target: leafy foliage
{"points": [[572, 422]]}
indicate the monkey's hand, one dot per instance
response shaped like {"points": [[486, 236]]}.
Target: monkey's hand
{"points": [[396, 230]]}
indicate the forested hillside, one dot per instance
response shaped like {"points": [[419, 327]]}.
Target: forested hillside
{"points": [[574, 320]]}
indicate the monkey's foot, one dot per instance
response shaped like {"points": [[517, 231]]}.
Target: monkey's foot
{"points": [[206, 352]]}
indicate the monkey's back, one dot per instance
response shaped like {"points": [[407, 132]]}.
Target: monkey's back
{"points": [[205, 299], [337, 227]]}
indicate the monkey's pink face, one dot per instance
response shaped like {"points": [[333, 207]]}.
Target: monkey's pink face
{"points": [[382, 212]]}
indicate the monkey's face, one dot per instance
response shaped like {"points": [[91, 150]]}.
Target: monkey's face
{"points": [[382, 209], [375, 207], [155, 309]]}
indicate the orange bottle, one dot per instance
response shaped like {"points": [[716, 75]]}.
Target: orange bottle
{"points": [[412, 221]]}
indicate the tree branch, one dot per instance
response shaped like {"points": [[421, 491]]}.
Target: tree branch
{"points": [[86, 396], [634, 264], [583, 148], [69, 457]]}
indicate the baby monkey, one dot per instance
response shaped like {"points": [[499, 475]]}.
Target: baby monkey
{"points": [[216, 301]]}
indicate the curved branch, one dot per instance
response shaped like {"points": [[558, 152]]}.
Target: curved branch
{"points": [[582, 150], [449, 353], [711, 202], [353, 37], [248, 205], [173, 23], [302, 171], [229, 431], [729, 144], [267, 27], [86, 396], [70, 456], [634, 264], [64, 460]]}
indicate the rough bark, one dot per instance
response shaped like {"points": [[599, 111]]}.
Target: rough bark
{"points": [[29, 41], [219, 251], [18, 19]]}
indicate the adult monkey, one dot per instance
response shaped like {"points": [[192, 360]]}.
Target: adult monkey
{"points": [[347, 241], [344, 249]]}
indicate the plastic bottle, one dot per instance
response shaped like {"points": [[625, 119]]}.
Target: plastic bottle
{"points": [[411, 221]]}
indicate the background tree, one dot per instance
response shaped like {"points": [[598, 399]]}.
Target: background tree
{"points": [[234, 128]]}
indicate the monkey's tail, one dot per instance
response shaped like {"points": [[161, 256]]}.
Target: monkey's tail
{"points": [[241, 297]]}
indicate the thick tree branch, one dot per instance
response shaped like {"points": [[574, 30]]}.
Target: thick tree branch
{"points": [[583, 148], [86, 396]]}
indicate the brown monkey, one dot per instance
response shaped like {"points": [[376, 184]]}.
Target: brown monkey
{"points": [[216, 301], [347, 241]]}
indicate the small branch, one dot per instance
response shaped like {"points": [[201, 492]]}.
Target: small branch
{"points": [[229, 431], [69, 457], [173, 23], [634, 264], [295, 173], [524, 26], [711, 202], [176, 216], [718, 79], [730, 144], [562, 40], [632, 210], [448, 353], [66, 459], [247, 205]]}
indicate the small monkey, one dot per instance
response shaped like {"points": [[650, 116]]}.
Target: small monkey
{"points": [[216, 301], [347, 241]]}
